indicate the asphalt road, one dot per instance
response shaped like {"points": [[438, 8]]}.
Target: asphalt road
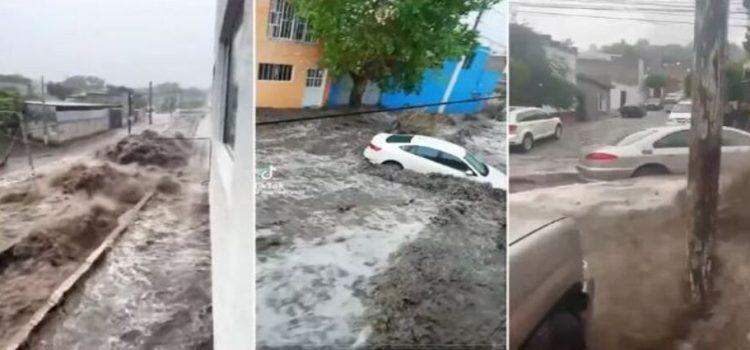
{"points": [[552, 162]]}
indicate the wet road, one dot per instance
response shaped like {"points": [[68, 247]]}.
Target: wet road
{"points": [[552, 162]]}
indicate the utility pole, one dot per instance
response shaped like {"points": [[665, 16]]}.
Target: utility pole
{"points": [[44, 114], [708, 94], [460, 65], [130, 111], [150, 102]]}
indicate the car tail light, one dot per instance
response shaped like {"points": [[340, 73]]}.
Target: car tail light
{"points": [[601, 156], [374, 148], [512, 128]]}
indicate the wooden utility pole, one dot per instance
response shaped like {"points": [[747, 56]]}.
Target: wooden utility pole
{"points": [[708, 93], [44, 114]]}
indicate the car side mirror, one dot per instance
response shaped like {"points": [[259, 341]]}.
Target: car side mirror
{"points": [[470, 173]]}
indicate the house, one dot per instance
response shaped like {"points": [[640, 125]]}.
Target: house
{"points": [[626, 74], [563, 57], [288, 72], [595, 95], [57, 122], [231, 198], [477, 78]]}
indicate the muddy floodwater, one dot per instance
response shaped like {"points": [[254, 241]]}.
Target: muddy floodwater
{"points": [[348, 253]]}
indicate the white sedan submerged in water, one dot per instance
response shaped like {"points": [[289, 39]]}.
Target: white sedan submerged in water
{"points": [[426, 155]]}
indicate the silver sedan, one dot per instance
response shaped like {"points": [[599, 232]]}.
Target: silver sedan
{"points": [[657, 151]]}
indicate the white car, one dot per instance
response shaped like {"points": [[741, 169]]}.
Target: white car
{"points": [[526, 125], [681, 113], [427, 155], [658, 151]]}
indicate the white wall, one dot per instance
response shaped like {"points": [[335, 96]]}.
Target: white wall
{"points": [[231, 198], [69, 125], [635, 95]]}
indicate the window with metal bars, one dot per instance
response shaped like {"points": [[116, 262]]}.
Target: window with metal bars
{"points": [[314, 78], [283, 24], [271, 71]]}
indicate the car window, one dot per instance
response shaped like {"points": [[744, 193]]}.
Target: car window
{"points": [[734, 138], [674, 140], [477, 164], [633, 138], [424, 152], [527, 116], [452, 161], [682, 108]]}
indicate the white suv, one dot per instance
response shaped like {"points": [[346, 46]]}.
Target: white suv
{"points": [[526, 125], [681, 113]]}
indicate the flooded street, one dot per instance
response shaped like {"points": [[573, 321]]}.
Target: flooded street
{"points": [[332, 229]]}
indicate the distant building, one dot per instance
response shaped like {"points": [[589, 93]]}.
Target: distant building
{"points": [[16, 83], [596, 95], [627, 76], [231, 196], [288, 73], [65, 121]]}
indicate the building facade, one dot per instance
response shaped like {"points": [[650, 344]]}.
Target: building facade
{"points": [[627, 76], [231, 198], [288, 70], [595, 96]]}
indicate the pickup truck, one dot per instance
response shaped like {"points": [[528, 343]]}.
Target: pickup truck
{"points": [[550, 295]]}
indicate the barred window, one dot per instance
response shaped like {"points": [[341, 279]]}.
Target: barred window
{"points": [[314, 78], [270, 71], [283, 24]]}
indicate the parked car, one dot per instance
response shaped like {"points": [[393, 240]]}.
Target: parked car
{"points": [[681, 113], [526, 125], [657, 151], [672, 98], [426, 155], [551, 292], [654, 104], [632, 112]]}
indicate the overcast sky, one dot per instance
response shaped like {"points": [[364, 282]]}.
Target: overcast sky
{"points": [[585, 31], [125, 42], [493, 27]]}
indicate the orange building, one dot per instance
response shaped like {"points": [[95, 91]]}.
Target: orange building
{"points": [[288, 74]]}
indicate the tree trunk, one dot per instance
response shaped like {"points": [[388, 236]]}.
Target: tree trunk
{"points": [[359, 84], [708, 93]]}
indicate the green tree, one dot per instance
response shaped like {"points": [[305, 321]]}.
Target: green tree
{"points": [[59, 90], [656, 81], [84, 83], [534, 80], [390, 42]]}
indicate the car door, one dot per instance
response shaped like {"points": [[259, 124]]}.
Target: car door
{"points": [[549, 124], [672, 151], [455, 166], [735, 150]]}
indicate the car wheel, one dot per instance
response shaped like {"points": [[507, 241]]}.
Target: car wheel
{"points": [[560, 331], [393, 165], [651, 170], [528, 143], [558, 132]]}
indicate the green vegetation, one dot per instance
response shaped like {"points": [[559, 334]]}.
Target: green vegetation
{"points": [[535, 81], [391, 43]]}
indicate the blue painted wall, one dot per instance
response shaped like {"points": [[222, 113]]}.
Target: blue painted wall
{"points": [[476, 81]]}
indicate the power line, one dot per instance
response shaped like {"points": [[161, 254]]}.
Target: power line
{"points": [[652, 21], [359, 113]]}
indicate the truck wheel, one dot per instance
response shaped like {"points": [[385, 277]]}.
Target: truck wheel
{"points": [[558, 132], [560, 331], [393, 165]]}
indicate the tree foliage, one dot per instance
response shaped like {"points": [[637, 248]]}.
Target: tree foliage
{"points": [[656, 81], [59, 90], [390, 42], [535, 81], [84, 83]]}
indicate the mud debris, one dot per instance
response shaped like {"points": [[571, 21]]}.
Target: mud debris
{"points": [[150, 148], [166, 184]]}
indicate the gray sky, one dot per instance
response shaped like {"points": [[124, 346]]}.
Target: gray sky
{"points": [[585, 31], [126, 42], [493, 27]]}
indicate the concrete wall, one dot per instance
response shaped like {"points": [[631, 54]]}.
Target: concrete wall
{"points": [[232, 201], [476, 81], [596, 99], [67, 125], [301, 55]]}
